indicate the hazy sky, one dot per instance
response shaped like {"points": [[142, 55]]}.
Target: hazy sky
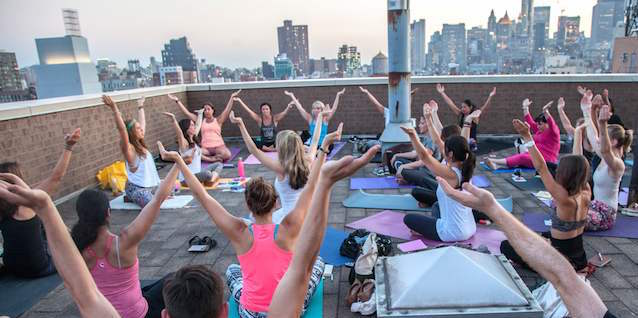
{"points": [[237, 33]]}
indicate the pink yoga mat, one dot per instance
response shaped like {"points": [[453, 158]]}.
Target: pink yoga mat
{"points": [[390, 223], [412, 246], [252, 160]]}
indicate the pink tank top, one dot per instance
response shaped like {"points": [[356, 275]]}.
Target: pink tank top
{"points": [[121, 286], [262, 277], [211, 134]]}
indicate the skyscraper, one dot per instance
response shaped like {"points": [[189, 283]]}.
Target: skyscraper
{"points": [[65, 64], [541, 16], [380, 64], [454, 47], [178, 52], [348, 59], [267, 70], [476, 45], [284, 68], [527, 18], [417, 45], [568, 33], [503, 32], [491, 23], [606, 15], [435, 53], [11, 88], [293, 41]]}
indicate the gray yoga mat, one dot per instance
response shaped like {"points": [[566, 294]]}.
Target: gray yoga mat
{"points": [[364, 200]]}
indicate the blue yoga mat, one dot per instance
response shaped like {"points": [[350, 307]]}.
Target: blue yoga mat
{"points": [[364, 200], [626, 226], [486, 167], [315, 309], [481, 181], [629, 162], [330, 247], [531, 184], [17, 295]]}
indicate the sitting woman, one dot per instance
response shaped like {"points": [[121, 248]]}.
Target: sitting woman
{"points": [[588, 151], [546, 138], [291, 167], [317, 108], [140, 166], [253, 282], [189, 148], [112, 259], [610, 143], [571, 195], [450, 221], [267, 123], [467, 108], [26, 252], [213, 147]]}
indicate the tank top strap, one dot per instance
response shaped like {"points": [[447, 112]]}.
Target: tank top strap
{"points": [[117, 251], [274, 236]]}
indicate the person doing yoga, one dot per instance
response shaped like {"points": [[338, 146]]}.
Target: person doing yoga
{"points": [[450, 221], [588, 151], [546, 138], [213, 147], [190, 149], [571, 193], [317, 108], [267, 123], [140, 166], [25, 248], [112, 259], [253, 282], [610, 143]]}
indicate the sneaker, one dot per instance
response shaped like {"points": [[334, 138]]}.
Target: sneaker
{"points": [[379, 171]]}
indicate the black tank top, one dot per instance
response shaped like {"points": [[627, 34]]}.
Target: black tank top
{"points": [[268, 132], [24, 246]]}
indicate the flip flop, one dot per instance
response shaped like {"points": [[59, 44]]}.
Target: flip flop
{"points": [[366, 291], [206, 240], [195, 240], [353, 293]]}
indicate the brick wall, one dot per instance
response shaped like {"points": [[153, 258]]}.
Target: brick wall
{"points": [[359, 116], [36, 142]]}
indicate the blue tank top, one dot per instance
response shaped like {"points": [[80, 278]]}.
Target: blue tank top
{"points": [[324, 131]]}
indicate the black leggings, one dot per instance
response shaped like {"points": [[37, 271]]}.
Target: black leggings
{"points": [[572, 249], [424, 225], [425, 192], [154, 297], [259, 143]]}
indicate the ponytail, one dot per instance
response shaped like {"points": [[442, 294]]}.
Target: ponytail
{"points": [[623, 137], [629, 138], [92, 209], [467, 169], [461, 152]]}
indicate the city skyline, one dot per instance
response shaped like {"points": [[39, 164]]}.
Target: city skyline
{"points": [[254, 38]]}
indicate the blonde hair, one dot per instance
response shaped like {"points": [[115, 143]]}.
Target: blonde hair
{"points": [[623, 136], [138, 143], [292, 158], [319, 104]]}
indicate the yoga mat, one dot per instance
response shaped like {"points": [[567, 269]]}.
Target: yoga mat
{"points": [[486, 167], [481, 181], [177, 202], [390, 223], [252, 160], [222, 183], [234, 151], [506, 203], [623, 196], [391, 183], [315, 309], [330, 247], [412, 246], [20, 294], [337, 147], [629, 162], [626, 226], [363, 200], [531, 184]]}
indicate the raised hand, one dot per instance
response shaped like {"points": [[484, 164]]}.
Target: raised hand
{"points": [[493, 92], [527, 103], [14, 190], [522, 129], [334, 171], [604, 114], [235, 93], [605, 93], [427, 111], [140, 101], [561, 103], [341, 92], [290, 94], [440, 88], [167, 155], [597, 101], [169, 115], [472, 197], [236, 99], [363, 90], [332, 137], [173, 97], [585, 101], [434, 106], [412, 92], [581, 90], [72, 138], [409, 131], [547, 106], [108, 101], [235, 120]]}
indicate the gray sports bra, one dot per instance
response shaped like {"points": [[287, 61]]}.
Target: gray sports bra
{"points": [[565, 226]]}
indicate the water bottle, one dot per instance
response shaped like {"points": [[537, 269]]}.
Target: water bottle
{"points": [[240, 167]]}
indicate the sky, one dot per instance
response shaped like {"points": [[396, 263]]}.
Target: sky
{"points": [[242, 33]]}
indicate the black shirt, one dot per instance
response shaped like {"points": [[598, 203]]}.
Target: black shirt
{"points": [[615, 120], [24, 246]]}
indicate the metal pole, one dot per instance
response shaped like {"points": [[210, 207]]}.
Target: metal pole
{"points": [[399, 74]]}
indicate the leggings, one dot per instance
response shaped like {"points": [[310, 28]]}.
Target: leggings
{"points": [[138, 195], [425, 192], [236, 283], [523, 160], [154, 297], [572, 249], [260, 143], [424, 225]]}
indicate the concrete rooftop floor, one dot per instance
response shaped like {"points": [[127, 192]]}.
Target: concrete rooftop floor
{"points": [[164, 250]]}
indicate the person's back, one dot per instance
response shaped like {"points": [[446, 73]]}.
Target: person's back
{"points": [[457, 221], [287, 198], [25, 250]]}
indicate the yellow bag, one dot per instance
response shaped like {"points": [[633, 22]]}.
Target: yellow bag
{"points": [[113, 176]]}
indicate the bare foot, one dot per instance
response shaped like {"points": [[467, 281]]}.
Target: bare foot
{"points": [[167, 155], [490, 164]]}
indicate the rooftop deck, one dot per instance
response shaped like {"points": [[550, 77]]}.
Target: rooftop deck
{"points": [[164, 248]]}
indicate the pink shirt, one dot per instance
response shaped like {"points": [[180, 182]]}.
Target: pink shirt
{"points": [[548, 141], [211, 134], [121, 286], [262, 267]]}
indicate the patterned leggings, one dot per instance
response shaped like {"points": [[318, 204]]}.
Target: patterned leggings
{"points": [[138, 195], [600, 217], [236, 283]]}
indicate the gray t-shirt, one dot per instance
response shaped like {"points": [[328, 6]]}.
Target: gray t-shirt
{"points": [[429, 143]]}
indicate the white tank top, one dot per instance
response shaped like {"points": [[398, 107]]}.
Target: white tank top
{"points": [[287, 197], [146, 174], [606, 186], [457, 221], [196, 165]]}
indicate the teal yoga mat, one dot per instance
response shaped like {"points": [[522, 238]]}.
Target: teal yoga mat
{"points": [[531, 184], [364, 200], [17, 295], [315, 309]]}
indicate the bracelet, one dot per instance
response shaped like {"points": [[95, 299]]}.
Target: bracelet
{"points": [[529, 144], [68, 147], [322, 150]]}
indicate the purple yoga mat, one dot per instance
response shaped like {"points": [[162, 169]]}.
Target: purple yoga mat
{"points": [[626, 226], [390, 223], [234, 151], [623, 196], [391, 183]]}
